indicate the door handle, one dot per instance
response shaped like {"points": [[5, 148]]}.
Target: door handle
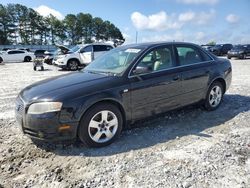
{"points": [[175, 78]]}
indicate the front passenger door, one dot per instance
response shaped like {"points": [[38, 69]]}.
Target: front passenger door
{"points": [[86, 54], [158, 89]]}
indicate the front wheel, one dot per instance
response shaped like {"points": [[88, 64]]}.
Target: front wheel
{"points": [[214, 96], [34, 68], [1, 60], [73, 65], [101, 125], [27, 59]]}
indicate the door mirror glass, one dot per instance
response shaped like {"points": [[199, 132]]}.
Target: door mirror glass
{"points": [[141, 70]]}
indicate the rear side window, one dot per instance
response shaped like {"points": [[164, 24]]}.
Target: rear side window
{"points": [[101, 48], [16, 52], [188, 55], [205, 56]]}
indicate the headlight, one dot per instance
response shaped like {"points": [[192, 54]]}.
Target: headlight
{"points": [[44, 107]]}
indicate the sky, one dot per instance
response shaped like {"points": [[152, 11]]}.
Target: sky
{"points": [[197, 21]]}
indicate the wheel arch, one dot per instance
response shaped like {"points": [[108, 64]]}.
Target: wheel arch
{"points": [[221, 80], [73, 58], [110, 101]]}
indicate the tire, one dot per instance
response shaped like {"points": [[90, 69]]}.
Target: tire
{"points": [[228, 57], [34, 68], [42, 68], [214, 96], [1, 60], [27, 59], [73, 65], [95, 130]]}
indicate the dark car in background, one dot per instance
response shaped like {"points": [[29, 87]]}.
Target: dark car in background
{"points": [[40, 53], [122, 86], [239, 51], [221, 49]]}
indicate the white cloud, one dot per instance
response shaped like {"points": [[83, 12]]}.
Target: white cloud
{"points": [[210, 2], [200, 36], [187, 16], [177, 36], [155, 22], [200, 18], [46, 11], [232, 18]]}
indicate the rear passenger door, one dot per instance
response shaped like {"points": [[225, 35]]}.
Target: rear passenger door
{"points": [[194, 66]]}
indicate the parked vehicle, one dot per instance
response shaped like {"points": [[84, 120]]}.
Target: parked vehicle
{"points": [[40, 53], [207, 47], [80, 55], [239, 51], [124, 85], [221, 49], [16, 56]]}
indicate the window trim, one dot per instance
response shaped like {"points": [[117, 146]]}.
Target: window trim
{"points": [[175, 57]]}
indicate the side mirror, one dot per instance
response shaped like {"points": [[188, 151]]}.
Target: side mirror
{"points": [[141, 70]]}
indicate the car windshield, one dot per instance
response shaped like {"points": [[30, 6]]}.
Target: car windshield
{"points": [[75, 48], [114, 62]]}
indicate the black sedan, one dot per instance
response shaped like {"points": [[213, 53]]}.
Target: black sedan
{"points": [[124, 85]]}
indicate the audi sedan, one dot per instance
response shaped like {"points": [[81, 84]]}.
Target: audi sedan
{"points": [[124, 85]]}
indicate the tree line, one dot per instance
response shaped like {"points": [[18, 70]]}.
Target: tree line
{"points": [[22, 25]]}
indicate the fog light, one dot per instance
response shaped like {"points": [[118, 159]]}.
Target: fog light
{"points": [[64, 127]]}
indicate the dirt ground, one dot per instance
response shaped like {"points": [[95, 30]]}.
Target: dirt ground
{"points": [[186, 148]]}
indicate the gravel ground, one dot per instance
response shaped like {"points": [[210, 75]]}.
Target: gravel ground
{"points": [[184, 148]]}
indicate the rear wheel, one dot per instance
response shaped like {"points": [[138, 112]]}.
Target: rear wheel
{"points": [[34, 68], [214, 96], [27, 59], [73, 65], [101, 125], [1, 60], [42, 68]]}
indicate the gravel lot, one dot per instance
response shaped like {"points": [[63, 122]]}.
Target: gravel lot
{"points": [[185, 148]]}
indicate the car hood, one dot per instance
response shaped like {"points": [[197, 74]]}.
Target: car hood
{"points": [[61, 47], [50, 89]]}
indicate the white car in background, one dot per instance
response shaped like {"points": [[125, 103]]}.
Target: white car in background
{"points": [[80, 55], [16, 56]]}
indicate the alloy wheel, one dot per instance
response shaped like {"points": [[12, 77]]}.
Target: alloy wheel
{"points": [[103, 126], [215, 96]]}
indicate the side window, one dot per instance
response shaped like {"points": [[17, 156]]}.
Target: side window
{"points": [[158, 59], [101, 48], [15, 52], [109, 48], [188, 55], [86, 49], [205, 56]]}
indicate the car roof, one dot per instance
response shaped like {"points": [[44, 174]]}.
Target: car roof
{"points": [[155, 44]]}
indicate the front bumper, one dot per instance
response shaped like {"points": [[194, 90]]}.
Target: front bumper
{"points": [[238, 55], [47, 127]]}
